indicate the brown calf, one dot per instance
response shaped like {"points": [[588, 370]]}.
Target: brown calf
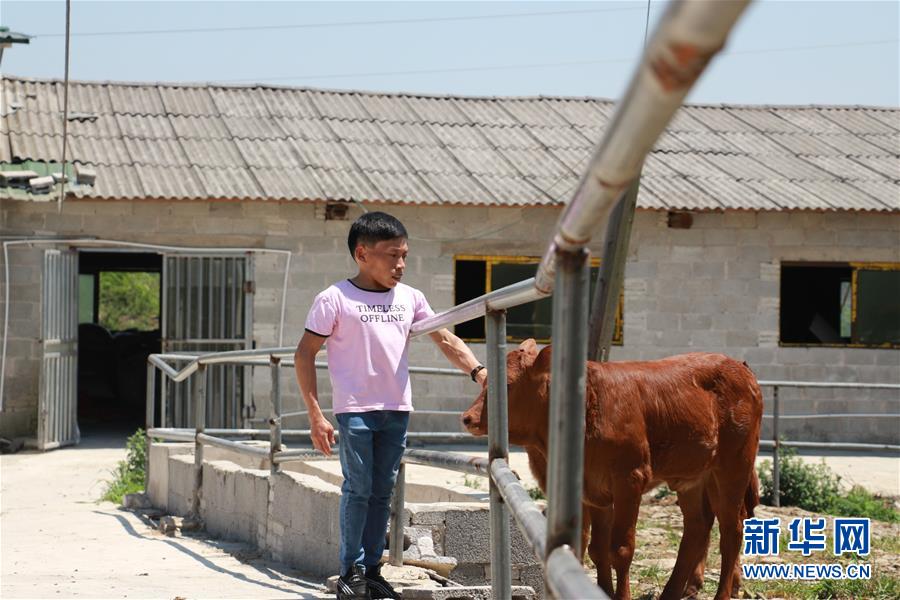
{"points": [[690, 421]]}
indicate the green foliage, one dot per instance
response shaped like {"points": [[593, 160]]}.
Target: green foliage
{"points": [[860, 502], [535, 493], [662, 491], [473, 482], [879, 587], [817, 488], [129, 300], [128, 476], [811, 487]]}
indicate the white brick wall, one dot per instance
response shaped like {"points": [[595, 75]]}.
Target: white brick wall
{"points": [[713, 287]]}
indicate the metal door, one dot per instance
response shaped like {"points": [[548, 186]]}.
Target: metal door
{"points": [[207, 307], [57, 408]]}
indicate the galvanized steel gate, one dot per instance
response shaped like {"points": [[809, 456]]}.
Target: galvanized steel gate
{"points": [[57, 406], [208, 306]]}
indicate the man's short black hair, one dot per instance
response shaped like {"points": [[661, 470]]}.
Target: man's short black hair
{"points": [[374, 227]]}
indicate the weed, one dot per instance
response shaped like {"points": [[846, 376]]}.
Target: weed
{"points": [[473, 482], [817, 488], [128, 476], [663, 491], [535, 493]]}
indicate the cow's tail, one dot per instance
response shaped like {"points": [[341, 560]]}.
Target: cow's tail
{"points": [[751, 496]]}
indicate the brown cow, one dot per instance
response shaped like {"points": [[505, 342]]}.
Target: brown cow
{"points": [[690, 421]]}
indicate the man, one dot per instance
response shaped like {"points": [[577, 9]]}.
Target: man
{"points": [[366, 321]]}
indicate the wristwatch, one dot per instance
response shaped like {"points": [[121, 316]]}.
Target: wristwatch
{"points": [[475, 372]]}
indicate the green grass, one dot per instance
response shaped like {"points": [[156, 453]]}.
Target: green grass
{"points": [[128, 476], [473, 482], [535, 493], [815, 487]]}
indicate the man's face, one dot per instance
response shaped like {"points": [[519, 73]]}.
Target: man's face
{"points": [[383, 261]]}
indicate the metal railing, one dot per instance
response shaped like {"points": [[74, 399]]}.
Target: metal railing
{"points": [[690, 33], [505, 488], [776, 416]]}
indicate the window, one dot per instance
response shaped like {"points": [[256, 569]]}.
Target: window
{"points": [[851, 304], [477, 275]]}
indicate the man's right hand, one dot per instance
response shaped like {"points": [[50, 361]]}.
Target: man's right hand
{"points": [[322, 433]]}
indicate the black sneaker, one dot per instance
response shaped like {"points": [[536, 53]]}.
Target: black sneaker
{"points": [[352, 585], [378, 585]]}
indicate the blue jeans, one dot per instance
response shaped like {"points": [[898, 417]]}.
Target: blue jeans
{"points": [[371, 446]]}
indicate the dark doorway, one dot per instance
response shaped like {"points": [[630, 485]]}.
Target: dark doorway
{"points": [[119, 326]]}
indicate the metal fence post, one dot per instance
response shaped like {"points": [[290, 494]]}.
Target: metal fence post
{"points": [[567, 392], [498, 447], [395, 555], [199, 385], [776, 467], [148, 420], [275, 415]]}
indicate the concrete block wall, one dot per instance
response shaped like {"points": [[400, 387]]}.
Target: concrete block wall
{"points": [[23, 348], [158, 461], [712, 287], [294, 517], [230, 499], [462, 531]]}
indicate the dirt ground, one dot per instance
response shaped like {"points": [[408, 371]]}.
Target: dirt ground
{"points": [[659, 531]]}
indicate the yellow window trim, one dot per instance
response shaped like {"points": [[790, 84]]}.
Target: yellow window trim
{"points": [[855, 267], [495, 259]]}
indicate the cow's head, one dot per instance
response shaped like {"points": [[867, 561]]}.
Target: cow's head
{"points": [[527, 385]]}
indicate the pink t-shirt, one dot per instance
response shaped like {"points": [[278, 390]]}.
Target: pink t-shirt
{"points": [[368, 344]]}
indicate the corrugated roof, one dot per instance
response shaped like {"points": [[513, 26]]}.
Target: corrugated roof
{"points": [[212, 141]]}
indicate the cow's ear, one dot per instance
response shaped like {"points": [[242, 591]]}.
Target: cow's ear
{"points": [[529, 346]]}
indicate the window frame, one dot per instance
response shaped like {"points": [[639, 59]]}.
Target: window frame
{"points": [[855, 268], [491, 259]]}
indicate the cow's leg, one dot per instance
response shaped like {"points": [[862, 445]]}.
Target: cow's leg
{"points": [[598, 549], [732, 485], [626, 502], [586, 527], [698, 520]]}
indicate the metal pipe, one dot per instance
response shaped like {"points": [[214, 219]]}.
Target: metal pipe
{"points": [[832, 445], [498, 449], [831, 384], [566, 578], [293, 455], [398, 499], [505, 297], [199, 423], [607, 290], [170, 435], [687, 37], [275, 411], [218, 442], [837, 416], [473, 465], [532, 522], [567, 391], [148, 419], [776, 467]]}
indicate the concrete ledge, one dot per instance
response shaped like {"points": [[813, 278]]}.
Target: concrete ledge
{"points": [[158, 460], [479, 592], [295, 518]]}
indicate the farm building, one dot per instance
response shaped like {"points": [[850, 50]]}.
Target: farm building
{"points": [[768, 233]]}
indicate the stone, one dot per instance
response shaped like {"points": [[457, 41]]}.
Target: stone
{"points": [[169, 525]]}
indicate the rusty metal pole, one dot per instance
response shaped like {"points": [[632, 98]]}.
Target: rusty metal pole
{"points": [[498, 447], [275, 414], [567, 397], [776, 466], [395, 553], [199, 385]]}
